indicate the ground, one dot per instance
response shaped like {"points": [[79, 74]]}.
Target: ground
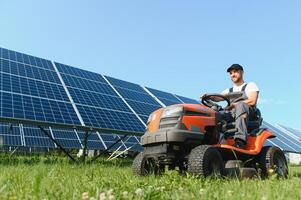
{"points": [[52, 177]]}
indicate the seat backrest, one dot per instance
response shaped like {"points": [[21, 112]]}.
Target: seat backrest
{"points": [[255, 119]]}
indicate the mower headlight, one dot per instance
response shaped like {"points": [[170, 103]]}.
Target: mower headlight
{"points": [[169, 111]]}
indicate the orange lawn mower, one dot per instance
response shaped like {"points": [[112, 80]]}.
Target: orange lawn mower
{"points": [[195, 138]]}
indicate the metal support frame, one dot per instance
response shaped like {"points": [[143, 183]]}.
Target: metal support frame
{"points": [[85, 145], [58, 144], [105, 151]]}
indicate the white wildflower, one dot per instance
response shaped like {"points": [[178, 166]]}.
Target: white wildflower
{"points": [[111, 197], [202, 191], [85, 196], [125, 195], [139, 192], [110, 192], [264, 198], [102, 196]]}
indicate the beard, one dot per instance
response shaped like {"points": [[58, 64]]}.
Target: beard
{"points": [[237, 80]]}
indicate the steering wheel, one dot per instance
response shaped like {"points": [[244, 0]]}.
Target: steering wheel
{"points": [[210, 100]]}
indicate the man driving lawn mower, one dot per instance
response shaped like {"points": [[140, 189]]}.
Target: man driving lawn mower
{"points": [[240, 110], [207, 139]]}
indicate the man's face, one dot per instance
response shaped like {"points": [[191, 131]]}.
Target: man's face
{"points": [[236, 75]]}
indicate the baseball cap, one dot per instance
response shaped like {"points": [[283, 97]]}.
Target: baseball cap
{"points": [[235, 66]]}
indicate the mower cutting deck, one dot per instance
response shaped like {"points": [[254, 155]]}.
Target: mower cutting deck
{"points": [[196, 138]]}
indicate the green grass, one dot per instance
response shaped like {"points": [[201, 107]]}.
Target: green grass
{"points": [[56, 178]]}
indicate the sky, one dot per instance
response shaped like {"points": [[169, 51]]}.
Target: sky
{"points": [[182, 47]]}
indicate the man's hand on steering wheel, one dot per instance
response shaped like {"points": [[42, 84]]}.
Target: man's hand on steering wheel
{"points": [[210, 100], [231, 106]]}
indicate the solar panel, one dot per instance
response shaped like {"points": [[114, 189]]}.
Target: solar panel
{"points": [[68, 138], [137, 98], [293, 132], [10, 135], [33, 137], [187, 100], [165, 97], [94, 141], [97, 102], [30, 89], [283, 140]]}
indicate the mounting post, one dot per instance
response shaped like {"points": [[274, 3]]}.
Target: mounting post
{"points": [[85, 145], [58, 144]]}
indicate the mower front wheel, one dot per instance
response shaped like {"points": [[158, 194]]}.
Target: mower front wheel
{"points": [[205, 161], [143, 166]]}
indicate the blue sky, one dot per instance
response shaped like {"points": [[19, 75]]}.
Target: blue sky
{"points": [[182, 47]]}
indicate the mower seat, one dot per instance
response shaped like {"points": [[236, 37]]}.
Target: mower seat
{"points": [[255, 120]]}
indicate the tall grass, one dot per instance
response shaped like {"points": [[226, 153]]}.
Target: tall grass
{"points": [[56, 178]]}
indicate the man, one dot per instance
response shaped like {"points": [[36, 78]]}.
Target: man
{"points": [[240, 110]]}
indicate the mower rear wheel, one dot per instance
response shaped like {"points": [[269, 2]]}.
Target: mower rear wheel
{"points": [[205, 161], [272, 161], [143, 166]]}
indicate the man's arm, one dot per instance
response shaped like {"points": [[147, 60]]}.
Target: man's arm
{"points": [[252, 100]]}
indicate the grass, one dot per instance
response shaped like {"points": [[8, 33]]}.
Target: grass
{"points": [[55, 178]]}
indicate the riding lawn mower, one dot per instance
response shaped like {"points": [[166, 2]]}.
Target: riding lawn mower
{"points": [[195, 138]]}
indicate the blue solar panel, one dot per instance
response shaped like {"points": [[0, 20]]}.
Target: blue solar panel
{"points": [[188, 100], [34, 137], [10, 135], [65, 134], [94, 142], [38, 142], [26, 59], [24, 70], [88, 85], [143, 108], [125, 84], [69, 144], [98, 100], [79, 72], [110, 119], [32, 108], [165, 97], [25, 86], [110, 139], [10, 140], [283, 140], [137, 96], [294, 132], [162, 94], [30, 89]]}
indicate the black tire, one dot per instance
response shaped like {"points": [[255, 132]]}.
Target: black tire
{"points": [[272, 161], [143, 166], [205, 161]]}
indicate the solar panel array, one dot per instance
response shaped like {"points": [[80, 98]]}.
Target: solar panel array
{"points": [[37, 89]]}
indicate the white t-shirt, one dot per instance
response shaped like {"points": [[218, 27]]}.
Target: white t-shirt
{"points": [[251, 87]]}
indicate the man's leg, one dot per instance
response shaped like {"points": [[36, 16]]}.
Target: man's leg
{"points": [[241, 121]]}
